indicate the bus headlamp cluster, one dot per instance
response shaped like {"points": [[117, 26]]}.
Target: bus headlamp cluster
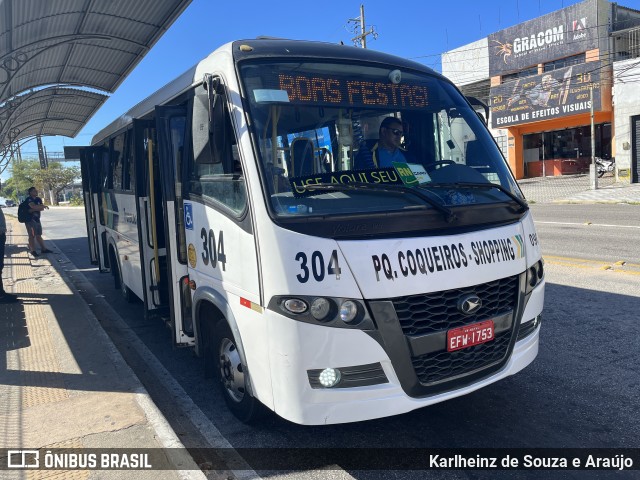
{"points": [[335, 312], [535, 274]]}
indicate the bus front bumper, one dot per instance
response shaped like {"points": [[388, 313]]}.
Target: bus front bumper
{"points": [[318, 347]]}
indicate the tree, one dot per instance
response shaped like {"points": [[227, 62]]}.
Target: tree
{"points": [[23, 176], [56, 178], [52, 180], [9, 190]]}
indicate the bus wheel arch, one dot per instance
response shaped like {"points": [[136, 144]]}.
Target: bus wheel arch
{"points": [[224, 361]]}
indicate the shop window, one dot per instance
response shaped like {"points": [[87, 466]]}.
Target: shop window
{"points": [[565, 62], [528, 72], [571, 147]]}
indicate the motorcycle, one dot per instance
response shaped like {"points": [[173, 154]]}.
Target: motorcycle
{"points": [[603, 166]]}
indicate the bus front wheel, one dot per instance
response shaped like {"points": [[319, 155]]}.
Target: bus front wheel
{"points": [[224, 359]]}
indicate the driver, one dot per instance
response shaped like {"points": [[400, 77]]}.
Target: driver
{"points": [[386, 150]]}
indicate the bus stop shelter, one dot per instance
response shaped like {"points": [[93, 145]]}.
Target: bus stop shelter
{"points": [[60, 60]]}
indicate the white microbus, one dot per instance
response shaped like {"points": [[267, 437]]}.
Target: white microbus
{"points": [[259, 206]]}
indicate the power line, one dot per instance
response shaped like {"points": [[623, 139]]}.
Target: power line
{"points": [[360, 40]]}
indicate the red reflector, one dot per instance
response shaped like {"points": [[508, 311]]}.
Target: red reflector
{"points": [[185, 280], [245, 303]]}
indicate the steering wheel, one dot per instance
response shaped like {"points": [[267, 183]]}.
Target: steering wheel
{"points": [[432, 166]]}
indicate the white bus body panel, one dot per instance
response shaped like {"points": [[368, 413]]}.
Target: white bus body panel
{"points": [[297, 347], [239, 273], [431, 264], [122, 228], [480, 257], [237, 283]]}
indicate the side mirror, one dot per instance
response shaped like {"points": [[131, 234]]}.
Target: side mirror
{"points": [[217, 120], [477, 104]]}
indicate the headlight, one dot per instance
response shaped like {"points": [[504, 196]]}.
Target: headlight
{"points": [[348, 311], [295, 305], [326, 311], [320, 309], [535, 274]]}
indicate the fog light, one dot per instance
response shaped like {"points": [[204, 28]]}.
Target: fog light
{"points": [[329, 377], [295, 305], [320, 308], [348, 311]]}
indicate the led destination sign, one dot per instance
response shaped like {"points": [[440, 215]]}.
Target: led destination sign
{"points": [[332, 90]]}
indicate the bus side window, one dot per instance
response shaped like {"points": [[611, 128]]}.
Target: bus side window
{"points": [[117, 157], [216, 171]]}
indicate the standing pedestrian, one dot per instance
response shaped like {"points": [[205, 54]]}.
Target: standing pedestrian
{"points": [[34, 227], [4, 296]]}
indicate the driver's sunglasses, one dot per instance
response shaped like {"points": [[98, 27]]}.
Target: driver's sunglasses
{"points": [[396, 131]]}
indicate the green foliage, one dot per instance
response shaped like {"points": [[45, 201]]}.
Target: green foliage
{"points": [[9, 190], [76, 201], [51, 180]]}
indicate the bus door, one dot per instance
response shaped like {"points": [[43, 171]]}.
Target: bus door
{"points": [[171, 127], [150, 221], [90, 166]]}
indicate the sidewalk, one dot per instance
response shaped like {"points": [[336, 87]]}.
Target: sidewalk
{"points": [[63, 385], [577, 189]]}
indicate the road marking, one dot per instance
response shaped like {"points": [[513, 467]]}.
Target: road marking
{"points": [[588, 224], [616, 267]]}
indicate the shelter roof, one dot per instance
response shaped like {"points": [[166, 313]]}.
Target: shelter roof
{"points": [[49, 111], [84, 43]]}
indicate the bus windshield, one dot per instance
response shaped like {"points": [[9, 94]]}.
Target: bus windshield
{"points": [[341, 139]]}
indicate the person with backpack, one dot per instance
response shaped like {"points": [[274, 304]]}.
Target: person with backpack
{"points": [[32, 222], [4, 296]]}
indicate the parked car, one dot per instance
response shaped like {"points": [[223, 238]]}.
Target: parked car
{"points": [[10, 203]]}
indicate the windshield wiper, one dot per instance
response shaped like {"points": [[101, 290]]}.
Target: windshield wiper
{"points": [[504, 190], [448, 214]]}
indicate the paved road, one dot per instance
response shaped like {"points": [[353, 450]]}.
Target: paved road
{"points": [[596, 232], [582, 390]]}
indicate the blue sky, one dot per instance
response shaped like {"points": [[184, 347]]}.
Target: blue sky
{"points": [[417, 29]]}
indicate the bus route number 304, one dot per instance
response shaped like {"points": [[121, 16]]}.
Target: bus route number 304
{"points": [[210, 252], [315, 265]]}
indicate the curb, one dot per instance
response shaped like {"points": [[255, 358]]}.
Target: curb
{"points": [[165, 435]]}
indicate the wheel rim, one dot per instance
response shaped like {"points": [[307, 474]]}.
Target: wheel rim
{"points": [[231, 371]]}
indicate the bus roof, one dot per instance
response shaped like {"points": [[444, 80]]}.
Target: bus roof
{"points": [[259, 48]]}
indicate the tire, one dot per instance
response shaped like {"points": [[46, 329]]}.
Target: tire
{"points": [[222, 361], [118, 283]]}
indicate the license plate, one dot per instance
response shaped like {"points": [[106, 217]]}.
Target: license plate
{"points": [[470, 335]]}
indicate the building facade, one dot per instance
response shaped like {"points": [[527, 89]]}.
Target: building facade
{"points": [[560, 87]]}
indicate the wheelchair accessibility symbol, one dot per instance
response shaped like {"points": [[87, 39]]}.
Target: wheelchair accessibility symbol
{"points": [[188, 216]]}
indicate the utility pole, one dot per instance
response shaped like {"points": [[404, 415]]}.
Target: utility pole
{"points": [[42, 154], [361, 39], [594, 167]]}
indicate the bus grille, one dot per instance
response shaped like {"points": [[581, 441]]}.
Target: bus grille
{"points": [[438, 366], [437, 312]]}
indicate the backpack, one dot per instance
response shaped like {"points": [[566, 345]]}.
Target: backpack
{"points": [[23, 212]]}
